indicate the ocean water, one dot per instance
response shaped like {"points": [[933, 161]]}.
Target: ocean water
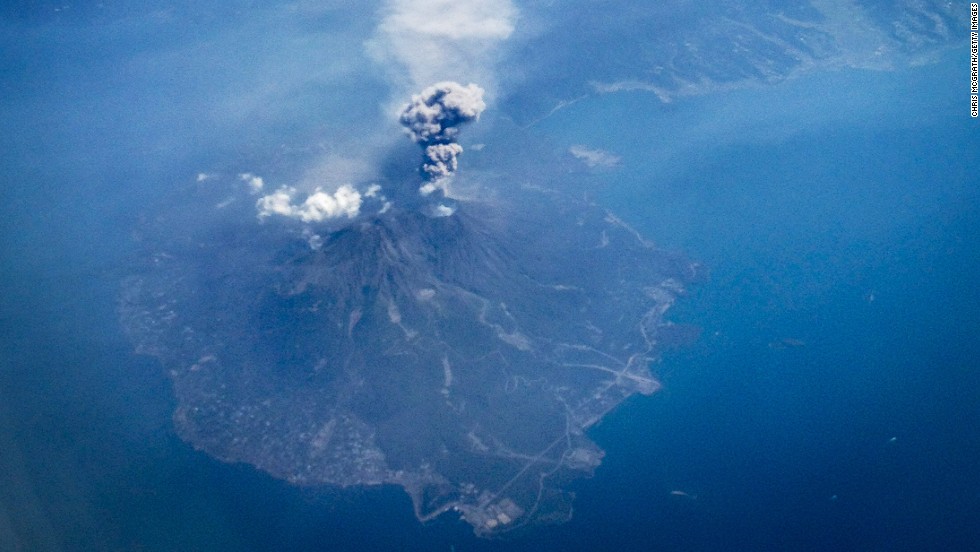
{"points": [[829, 404]]}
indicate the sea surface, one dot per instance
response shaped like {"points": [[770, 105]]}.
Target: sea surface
{"points": [[829, 404], [832, 399]]}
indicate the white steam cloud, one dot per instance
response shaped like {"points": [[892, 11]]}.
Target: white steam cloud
{"points": [[318, 206], [433, 119]]}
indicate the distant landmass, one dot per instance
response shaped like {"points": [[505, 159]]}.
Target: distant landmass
{"points": [[673, 49]]}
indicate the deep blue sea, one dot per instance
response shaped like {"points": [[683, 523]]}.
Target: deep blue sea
{"points": [[831, 402]]}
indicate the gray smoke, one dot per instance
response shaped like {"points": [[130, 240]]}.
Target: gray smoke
{"points": [[433, 119], [441, 159]]}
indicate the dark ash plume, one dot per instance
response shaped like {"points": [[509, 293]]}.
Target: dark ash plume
{"points": [[433, 119], [440, 160]]}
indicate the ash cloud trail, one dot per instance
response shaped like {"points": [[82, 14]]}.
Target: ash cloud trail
{"points": [[426, 41], [433, 119]]}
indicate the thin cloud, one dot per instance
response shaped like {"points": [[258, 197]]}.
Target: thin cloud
{"points": [[595, 158], [255, 183]]}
